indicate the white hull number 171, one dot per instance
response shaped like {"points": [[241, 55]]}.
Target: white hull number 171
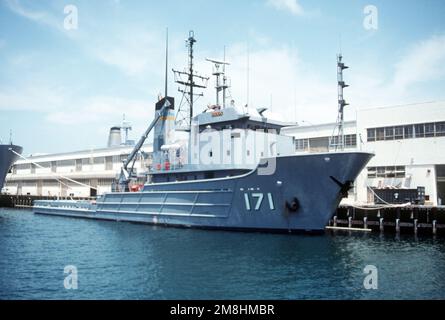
{"points": [[256, 199]]}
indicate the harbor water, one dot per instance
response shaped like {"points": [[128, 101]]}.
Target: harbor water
{"points": [[118, 260]]}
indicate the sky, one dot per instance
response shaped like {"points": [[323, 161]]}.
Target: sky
{"points": [[71, 69]]}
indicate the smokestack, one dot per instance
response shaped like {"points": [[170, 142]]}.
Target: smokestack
{"points": [[164, 129], [114, 139]]}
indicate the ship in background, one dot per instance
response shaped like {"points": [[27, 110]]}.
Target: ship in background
{"points": [[235, 171], [7, 159]]}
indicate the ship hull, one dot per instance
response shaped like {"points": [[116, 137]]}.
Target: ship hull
{"points": [[7, 158], [300, 195]]}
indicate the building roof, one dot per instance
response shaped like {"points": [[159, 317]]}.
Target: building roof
{"points": [[89, 153]]}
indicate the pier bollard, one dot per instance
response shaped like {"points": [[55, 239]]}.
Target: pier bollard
{"points": [[397, 225], [415, 226], [350, 222], [335, 221], [434, 227], [365, 222], [381, 225]]}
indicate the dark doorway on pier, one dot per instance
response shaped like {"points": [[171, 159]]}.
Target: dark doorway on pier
{"points": [[440, 176]]}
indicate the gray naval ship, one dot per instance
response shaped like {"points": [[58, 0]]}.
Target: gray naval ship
{"points": [[234, 170], [7, 159]]}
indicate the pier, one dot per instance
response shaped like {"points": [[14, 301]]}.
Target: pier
{"points": [[27, 201], [414, 219]]}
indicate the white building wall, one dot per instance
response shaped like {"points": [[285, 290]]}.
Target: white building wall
{"points": [[43, 181], [418, 155]]}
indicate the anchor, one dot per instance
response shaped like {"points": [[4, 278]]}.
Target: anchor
{"points": [[344, 187]]}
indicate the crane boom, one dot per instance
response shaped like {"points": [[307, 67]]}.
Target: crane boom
{"points": [[124, 175]]}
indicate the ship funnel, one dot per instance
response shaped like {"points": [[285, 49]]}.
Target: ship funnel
{"points": [[164, 129], [115, 138]]}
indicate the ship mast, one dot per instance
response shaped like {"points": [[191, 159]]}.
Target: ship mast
{"points": [[189, 80], [338, 141], [223, 85]]}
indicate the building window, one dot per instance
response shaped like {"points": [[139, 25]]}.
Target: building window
{"points": [[334, 141], [380, 134], [301, 144], [78, 164], [371, 134], [380, 172], [440, 129], [386, 172], [109, 163], [390, 172], [350, 140], [400, 172], [408, 132], [419, 130], [429, 129], [398, 132], [372, 172], [389, 133], [99, 160]]}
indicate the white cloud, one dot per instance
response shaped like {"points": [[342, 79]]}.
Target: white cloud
{"points": [[425, 61], [292, 6], [137, 54], [101, 110], [34, 98], [35, 15]]}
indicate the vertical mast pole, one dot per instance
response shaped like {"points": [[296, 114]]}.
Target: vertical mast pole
{"points": [[341, 101], [191, 41], [166, 63]]}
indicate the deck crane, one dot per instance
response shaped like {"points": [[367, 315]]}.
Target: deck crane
{"points": [[125, 174]]}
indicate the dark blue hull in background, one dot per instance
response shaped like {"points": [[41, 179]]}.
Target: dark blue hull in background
{"points": [[7, 158]]}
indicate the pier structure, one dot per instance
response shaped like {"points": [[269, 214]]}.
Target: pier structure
{"points": [[407, 219]]}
